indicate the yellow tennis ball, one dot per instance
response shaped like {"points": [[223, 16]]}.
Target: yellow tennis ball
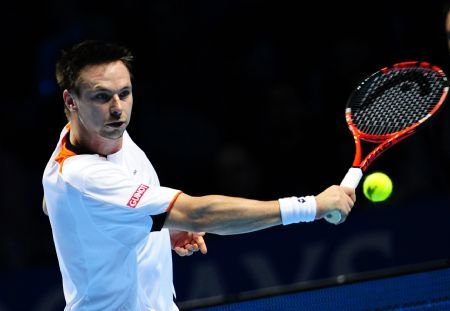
{"points": [[377, 187]]}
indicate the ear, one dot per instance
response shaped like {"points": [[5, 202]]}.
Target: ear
{"points": [[69, 101]]}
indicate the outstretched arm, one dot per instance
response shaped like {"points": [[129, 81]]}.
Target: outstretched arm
{"points": [[222, 214], [231, 215]]}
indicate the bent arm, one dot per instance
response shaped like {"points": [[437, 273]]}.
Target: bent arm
{"points": [[222, 215], [44, 206]]}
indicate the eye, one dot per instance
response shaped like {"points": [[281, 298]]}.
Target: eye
{"points": [[124, 94], [101, 97]]}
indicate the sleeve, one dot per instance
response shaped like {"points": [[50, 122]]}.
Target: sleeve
{"points": [[107, 200], [107, 182]]}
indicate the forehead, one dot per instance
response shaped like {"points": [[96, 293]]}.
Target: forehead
{"points": [[114, 75]]}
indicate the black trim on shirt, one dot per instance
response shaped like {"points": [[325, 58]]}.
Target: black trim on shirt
{"points": [[158, 221], [77, 149]]}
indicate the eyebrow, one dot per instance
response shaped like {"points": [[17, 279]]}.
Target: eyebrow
{"points": [[103, 89]]}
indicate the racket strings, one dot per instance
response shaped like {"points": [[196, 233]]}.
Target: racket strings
{"points": [[390, 102]]}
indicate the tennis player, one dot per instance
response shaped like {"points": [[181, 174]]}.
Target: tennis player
{"points": [[113, 224]]}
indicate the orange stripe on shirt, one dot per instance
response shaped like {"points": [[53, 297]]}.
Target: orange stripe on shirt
{"points": [[173, 201], [63, 154]]}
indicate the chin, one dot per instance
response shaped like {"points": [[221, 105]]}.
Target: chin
{"points": [[114, 134]]}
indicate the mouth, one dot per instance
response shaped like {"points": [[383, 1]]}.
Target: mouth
{"points": [[117, 124]]}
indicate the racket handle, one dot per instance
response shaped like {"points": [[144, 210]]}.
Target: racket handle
{"points": [[351, 180]]}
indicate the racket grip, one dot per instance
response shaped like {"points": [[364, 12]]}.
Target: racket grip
{"points": [[351, 180]]}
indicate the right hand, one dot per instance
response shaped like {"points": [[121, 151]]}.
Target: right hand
{"points": [[335, 198]]}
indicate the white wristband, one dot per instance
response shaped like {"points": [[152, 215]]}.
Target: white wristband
{"points": [[301, 209]]}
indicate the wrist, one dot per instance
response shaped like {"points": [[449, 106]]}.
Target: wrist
{"points": [[298, 209]]}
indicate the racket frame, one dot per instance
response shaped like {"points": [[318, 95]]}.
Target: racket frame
{"points": [[388, 140], [355, 173]]}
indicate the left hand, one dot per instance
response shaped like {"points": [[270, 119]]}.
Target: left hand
{"points": [[186, 243]]}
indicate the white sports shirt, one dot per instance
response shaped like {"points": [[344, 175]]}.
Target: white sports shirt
{"points": [[102, 210]]}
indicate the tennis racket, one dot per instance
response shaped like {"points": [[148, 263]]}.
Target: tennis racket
{"points": [[387, 107]]}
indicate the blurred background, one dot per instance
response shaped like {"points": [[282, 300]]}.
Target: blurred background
{"points": [[242, 98]]}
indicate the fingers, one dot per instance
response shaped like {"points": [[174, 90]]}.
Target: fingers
{"points": [[182, 251], [201, 243], [335, 198], [349, 198], [192, 247], [350, 192], [186, 250], [350, 202], [194, 244]]}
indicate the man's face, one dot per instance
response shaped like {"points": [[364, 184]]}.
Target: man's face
{"points": [[105, 99]]}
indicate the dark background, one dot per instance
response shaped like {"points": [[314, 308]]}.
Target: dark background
{"points": [[242, 98]]}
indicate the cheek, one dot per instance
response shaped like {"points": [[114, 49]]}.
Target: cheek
{"points": [[130, 102], [94, 115], [128, 107]]}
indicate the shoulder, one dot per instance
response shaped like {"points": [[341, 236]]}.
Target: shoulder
{"points": [[92, 171], [77, 169], [130, 145]]}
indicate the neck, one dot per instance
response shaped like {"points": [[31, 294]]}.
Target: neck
{"points": [[93, 142]]}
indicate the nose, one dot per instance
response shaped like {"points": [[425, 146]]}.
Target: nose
{"points": [[116, 107]]}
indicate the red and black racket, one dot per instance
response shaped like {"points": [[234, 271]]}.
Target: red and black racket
{"points": [[387, 107]]}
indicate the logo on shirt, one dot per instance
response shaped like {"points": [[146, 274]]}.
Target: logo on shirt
{"points": [[137, 195]]}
